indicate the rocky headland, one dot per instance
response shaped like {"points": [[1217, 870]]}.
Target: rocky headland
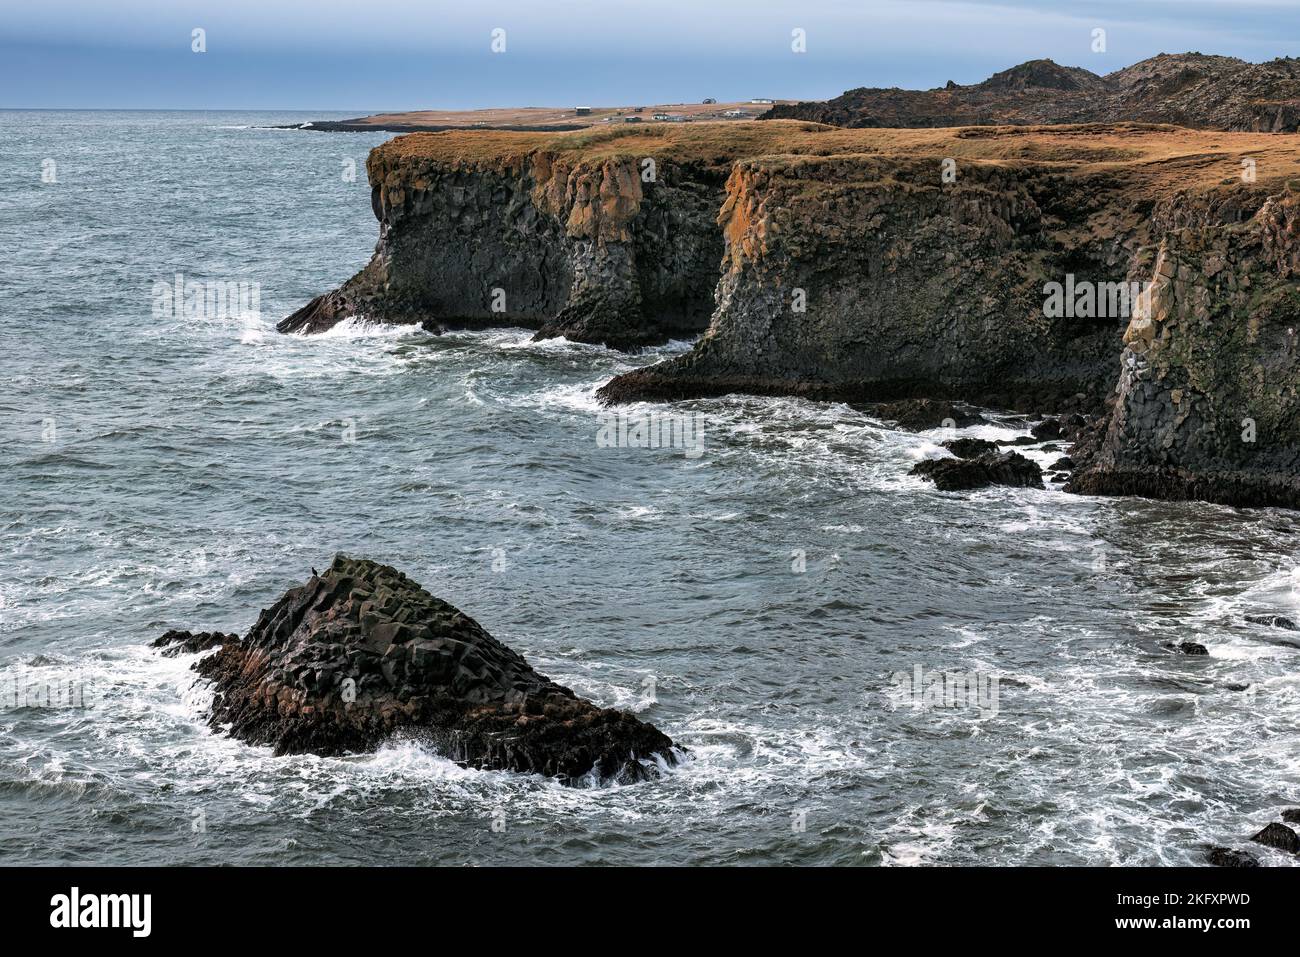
{"points": [[361, 653], [885, 265]]}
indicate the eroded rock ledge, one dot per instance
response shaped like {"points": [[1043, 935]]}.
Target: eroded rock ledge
{"points": [[361, 652]]}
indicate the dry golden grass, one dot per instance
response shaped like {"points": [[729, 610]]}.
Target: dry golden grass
{"points": [[1165, 157]]}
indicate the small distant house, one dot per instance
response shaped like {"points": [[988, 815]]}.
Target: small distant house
{"points": [[660, 117], [734, 113], [676, 118], [632, 119], [582, 111], [760, 100]]}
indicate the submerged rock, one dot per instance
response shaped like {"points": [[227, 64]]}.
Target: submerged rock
{"points": [[361, 652], [1188, 648], [1279, 836], [1004, 468], [917, 415], [1273, 621], [1226, 857], [1291, 815]]}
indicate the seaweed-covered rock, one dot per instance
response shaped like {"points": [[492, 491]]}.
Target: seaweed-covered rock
{"points": [[361, 652]]}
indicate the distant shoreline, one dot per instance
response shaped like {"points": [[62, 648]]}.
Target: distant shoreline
{"points": [[361, 126], [543, 119]]}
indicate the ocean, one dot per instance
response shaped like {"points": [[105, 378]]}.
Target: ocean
{"points": [[768, 602]]}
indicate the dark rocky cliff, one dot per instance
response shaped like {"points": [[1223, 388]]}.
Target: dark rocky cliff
{"points": [[868, 278], [606, 250], [877, 265], [1208, 399]]}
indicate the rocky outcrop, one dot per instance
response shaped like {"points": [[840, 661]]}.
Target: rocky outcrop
{"points": [[1189, 89], [1208, 400], [620, 250], [970, 448], [991, 468], [175, 643], [1138, 278], [1280, 837], [918, 415], [361, 653]]}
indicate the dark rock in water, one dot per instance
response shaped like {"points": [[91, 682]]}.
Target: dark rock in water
{"points": [[1274, 621], [1064, 463], [322, 313], [1279, 836], [1291, 815], [968, 448], [1047, 429], [918, 415], [1075, 424], [362, 652], [1020, 440], [1226, 857], [1237, 686], [190, 642], [1004, 468], [1188, 648]]}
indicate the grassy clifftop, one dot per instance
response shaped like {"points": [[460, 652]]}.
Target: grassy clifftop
{"points": [[1167, 157]]}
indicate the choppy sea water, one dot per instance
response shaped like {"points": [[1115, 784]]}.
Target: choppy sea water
{"points": [[164, 472]]}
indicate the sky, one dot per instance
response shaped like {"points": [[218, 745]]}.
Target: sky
{"points": [[381, 55]]}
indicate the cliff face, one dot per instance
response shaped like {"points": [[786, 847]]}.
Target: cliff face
{"points": [[1207, 403], [869, 278], [1141, 269], [601, 249], [1190, 89]]}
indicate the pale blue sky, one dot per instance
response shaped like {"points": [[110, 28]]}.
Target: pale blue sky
{"points": [[408, 54]]}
